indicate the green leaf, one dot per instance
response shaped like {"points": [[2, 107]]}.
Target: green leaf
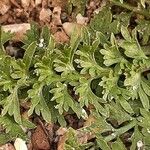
{"points": [[133, 80], [64, 61], [131, 45], [4, 37], [64, 100], [125, 105], [74, 43], [87, 97], [103, 39], [102, 20], [125, 33], [28, 124], [112, 55], [28, 56], [31, 36], [143, 28], [117, 113], [13, 129], [144, 120], [123, 18], [144, 99], [132, 50], [102, 144], [145, 87], [5, 81], [50, 48], [121, 130], [12, 106], [79, 5], [100, 125], [87, 59], [55, 116], [86, 36], [143, 3], [45, 34], [136, 137], [4, 138], [38, 102], [110, 87], [118, 145]]}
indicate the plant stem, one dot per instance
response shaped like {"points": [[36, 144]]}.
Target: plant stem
{"points": [[131, 8], [120, 131]]}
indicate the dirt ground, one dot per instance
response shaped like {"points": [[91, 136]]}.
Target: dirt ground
{"points": [[52, 13]]}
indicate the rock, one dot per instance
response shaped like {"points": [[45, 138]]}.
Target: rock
{"points": [[39, 139], [83, 137], [4, 18], [45, 15], [56, 16], [18, 29], [61, 37], [4, 6], [7, 146], [60, 3], [25, 3], [69, 28], [62, 137], [38, 2], [15, 3], [29, 145], [81, 20], [20, 144], [50, 132]]}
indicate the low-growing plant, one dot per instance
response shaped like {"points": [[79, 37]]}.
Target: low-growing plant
{"points": [[102, 73]]}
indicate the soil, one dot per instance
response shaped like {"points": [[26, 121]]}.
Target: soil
{"points": [[53, 13]]}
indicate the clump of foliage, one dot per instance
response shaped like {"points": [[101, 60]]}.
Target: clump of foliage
{"points": [[107, 67]]}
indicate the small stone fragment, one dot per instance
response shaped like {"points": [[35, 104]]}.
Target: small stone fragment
{"points": [[50, 132], [39, 139], [38, 2], [7, 146], [45, 15], [140, 144], [62, 137], [81, 20], [15, 3], [45, 3], [56, 19], [61, 37], [83, 137], [18, 29], [69, 28], [4, 6], [20, 144], [25, 3], [60, 3], [29, 145], [4, 18]]}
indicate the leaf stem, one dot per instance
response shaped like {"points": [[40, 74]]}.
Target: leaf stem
{"points": [[120, 131], [131, 8]]}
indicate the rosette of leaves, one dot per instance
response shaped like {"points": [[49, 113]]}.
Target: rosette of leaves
{"points": [[58, 79]]}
